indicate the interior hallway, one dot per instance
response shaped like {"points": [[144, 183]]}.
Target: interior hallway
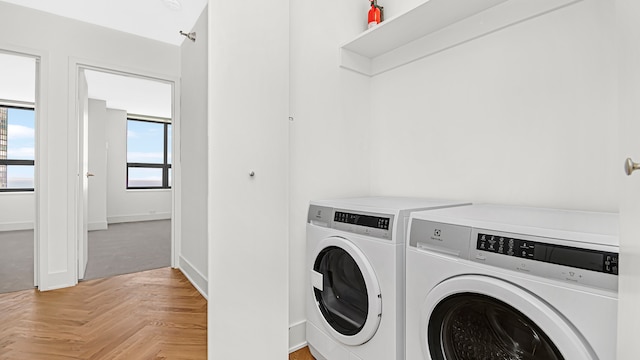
{"points": [[154, 314]]}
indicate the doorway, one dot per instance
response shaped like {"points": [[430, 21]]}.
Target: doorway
{"points": [[126, 188], [18, 121]]}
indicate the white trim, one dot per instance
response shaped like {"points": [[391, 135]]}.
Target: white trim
{"points": [[17, 226], [41, 188], [176, 171], [138, 217], [196, 278], [297, 336], [75, 64], [98, 225]]}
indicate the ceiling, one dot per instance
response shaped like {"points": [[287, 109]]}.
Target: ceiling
{"points": [[135, 95], [152, 19]]}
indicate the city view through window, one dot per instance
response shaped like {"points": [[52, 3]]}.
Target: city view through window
{"points": [[148, 154], [17, 148]]}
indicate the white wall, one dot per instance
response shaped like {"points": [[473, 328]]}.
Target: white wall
{"points": [[247, 216], [330, 132], [520, 116], [58, 40], [128, 205], [193, 247], [109, 200], [98, 164], [18, 211]]}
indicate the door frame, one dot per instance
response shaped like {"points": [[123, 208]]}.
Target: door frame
{"points": [[40, 187], [75, 66]]}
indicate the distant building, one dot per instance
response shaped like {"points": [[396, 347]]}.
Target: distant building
{"points": [[4, 130]]}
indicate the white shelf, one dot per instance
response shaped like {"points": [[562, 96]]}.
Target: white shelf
{"points": [[433, 26]]}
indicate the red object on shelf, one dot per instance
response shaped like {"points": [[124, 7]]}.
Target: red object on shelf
{"points": [[375, 14]]}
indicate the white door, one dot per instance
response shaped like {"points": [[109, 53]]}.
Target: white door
{"points": [[83, 176], [628, 22]]}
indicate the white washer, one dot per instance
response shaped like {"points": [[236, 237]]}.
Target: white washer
{"points": [[500, 282], [355, 257]]}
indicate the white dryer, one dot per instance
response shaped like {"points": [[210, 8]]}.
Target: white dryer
{"points": [[501, 282], [355, 257]]}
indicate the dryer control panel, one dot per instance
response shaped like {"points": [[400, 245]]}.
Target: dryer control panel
{"points": [[363, 223]]}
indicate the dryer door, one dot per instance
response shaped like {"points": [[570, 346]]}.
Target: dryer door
{"points": [[478, 317], [346, 291]]}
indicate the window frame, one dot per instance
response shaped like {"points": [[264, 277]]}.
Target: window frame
{"points": [[165, 166], [17, 162]]}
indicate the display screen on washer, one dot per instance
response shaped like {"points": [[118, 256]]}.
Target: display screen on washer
{"points": [[377, 222], [600, 261]]}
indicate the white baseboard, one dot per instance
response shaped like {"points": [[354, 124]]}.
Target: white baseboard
{"points": [[297, 336], [138, 217], [28, 225], [196, 278], [98, 225]]}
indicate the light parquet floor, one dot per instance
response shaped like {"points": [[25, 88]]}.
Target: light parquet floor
{"points": [[302, 354], [155, 314]]}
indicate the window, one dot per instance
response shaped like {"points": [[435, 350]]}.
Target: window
{"points": [[17, 148], [148, 154]]}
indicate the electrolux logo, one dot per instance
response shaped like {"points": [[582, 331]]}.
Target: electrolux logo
{"points": [[437, 233], [319, 214]]}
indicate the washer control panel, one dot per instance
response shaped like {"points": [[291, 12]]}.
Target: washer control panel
{"points": [[588, 259], [579, 263], [588, 264]]}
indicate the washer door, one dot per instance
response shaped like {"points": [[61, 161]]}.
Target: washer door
{"points": [[346, 291], [478, 317]]}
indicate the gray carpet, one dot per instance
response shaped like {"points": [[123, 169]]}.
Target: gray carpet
{"points": [[16, 260], [129, 247]]}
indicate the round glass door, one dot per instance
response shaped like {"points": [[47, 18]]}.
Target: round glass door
{"points": [[349, 295], [343, 301], [471, 317], [473, 326]]}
